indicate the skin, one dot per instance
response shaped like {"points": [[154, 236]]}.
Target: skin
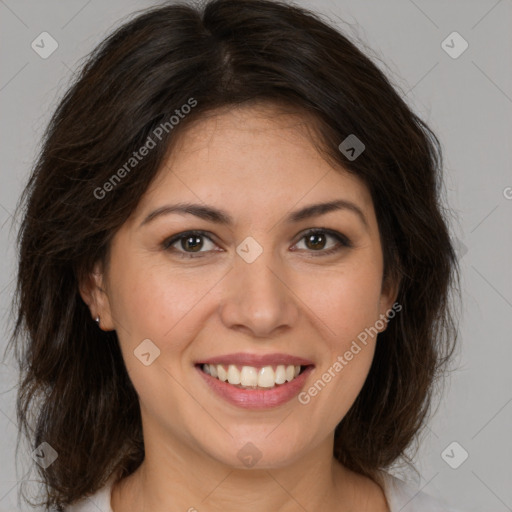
{"points": [[258, 165]]}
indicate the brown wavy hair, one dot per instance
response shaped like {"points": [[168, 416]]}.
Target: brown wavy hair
{"points": [[74, 392]]}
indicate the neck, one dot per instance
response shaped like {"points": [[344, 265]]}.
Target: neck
{"points": [[175, 477]]}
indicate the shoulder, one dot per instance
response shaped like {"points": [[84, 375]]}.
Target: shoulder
{"points": [[98, 502], [404, 497]]}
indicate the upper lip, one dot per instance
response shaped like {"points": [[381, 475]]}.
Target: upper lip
{"points": [[257, 360]]}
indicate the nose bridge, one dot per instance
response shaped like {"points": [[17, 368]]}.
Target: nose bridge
{"points": [[257, 297]]}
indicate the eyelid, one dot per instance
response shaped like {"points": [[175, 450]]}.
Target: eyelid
{"points": [[343, 241], [168, 242]]}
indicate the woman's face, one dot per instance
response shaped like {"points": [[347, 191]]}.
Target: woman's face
{"points": [[254, 291]]}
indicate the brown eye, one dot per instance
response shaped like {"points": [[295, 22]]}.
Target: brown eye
{"points": [[316, 240], [188, 244], [193, 243]]}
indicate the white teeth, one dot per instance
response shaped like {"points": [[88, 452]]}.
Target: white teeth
{"points": [[221, 372], [280, 374], [266, 377], [233, 374], [250, 376]]}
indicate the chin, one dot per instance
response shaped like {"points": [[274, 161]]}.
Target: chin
{"points": [[258, 451]]}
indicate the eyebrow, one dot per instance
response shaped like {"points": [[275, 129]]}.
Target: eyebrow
{"points": [[212, 214]]}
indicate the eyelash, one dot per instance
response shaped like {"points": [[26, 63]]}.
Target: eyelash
{"points": [[343, 242]]}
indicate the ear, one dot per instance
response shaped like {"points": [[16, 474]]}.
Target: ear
{"points": [[93, 291], [388, 307]]}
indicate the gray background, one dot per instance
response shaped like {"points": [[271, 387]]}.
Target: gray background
{"points": [[468, 103]]}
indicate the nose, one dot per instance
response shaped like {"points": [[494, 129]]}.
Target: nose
{"points": [[257, 299]]}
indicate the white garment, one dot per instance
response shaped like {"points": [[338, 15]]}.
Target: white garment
{"points": [[401, 497]]}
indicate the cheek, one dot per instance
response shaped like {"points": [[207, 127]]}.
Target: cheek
{"points": [[149, 300], [347, 301], [350, 312], [168, 307], [150, 304]]}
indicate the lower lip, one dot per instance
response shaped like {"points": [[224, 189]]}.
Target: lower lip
{"points": [[257, 398]]}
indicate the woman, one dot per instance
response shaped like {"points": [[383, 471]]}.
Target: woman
{"points": [[234, 272]]}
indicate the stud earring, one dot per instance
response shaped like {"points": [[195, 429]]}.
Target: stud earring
{"points": [[98, 320]]}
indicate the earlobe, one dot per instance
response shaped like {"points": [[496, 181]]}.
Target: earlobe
{"points": [[94, 293]]}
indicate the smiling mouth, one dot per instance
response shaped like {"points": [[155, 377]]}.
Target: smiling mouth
{"points": [[253, 377]]}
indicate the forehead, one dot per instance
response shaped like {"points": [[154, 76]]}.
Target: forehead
{"points": [[251, 156]]}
